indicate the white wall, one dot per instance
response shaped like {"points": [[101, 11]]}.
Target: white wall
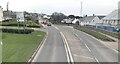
{"points": [[95, 21], [110, 22], [1, 14], [20, 16]]}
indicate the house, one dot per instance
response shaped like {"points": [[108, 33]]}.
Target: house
{"points": [[111, 22], [112, 18], [20, 16], [75, 21], [89, 20], [68, 21], [1, 14], [8, 15]]}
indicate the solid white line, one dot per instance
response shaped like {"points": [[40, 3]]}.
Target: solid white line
{"points": [[68, 49], [68, 59], [41, 46]]}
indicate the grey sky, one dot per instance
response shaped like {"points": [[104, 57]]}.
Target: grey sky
{"points": [[98, 7]]}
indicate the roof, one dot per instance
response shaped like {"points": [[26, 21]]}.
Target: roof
{"points": [[100, 17], [113, 15], [89, 18], [75, 20]]}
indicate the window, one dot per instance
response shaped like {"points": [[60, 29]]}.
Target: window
{"points": [[118, 21], [114, 22]]}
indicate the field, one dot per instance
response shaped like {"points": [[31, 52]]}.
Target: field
{"points": [[20, 47]]}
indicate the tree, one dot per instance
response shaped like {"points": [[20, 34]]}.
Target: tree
{"points": [[71, 16], [58, 17]]}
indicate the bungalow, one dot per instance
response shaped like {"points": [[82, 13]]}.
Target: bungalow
{"points": [[112, 19], [75, 21], [91, 20], [68, 21], [1, 13]]}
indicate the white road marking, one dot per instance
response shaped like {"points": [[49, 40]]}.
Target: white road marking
{"points": [[41, 46], [88, 48], [83, 56], [99, 41], [97, 60], [70, 58], [56, 27]]}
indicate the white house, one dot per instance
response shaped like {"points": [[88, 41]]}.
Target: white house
{"points": [[67, 20], [20, 16], [91, 20], [75, 21], [112, 19], [1, 13]]}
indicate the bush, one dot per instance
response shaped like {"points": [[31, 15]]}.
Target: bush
{"points": [[18, 31], [15, 23]]}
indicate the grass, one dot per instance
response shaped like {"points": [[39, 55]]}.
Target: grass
{"points": [[20, 47], [96, 34], [0, 47]]}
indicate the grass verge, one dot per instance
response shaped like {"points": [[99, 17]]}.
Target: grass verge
{"points": [[94, 33], [0, 46], [20, 47]]}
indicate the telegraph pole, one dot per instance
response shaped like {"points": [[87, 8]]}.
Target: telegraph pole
{"points": [[81, 9], [7, 6]]}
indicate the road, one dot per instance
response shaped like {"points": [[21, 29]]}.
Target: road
{"points": [[53, 49], [85, 48]]}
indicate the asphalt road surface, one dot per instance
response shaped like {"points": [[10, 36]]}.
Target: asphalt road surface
{"points": [[85, 48], [53, 49]]}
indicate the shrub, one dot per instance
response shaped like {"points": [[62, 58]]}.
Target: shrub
{"points": [[18, 31]]}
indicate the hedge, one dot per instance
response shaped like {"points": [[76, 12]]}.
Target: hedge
{"points": [[17, 31], [28, 24]]}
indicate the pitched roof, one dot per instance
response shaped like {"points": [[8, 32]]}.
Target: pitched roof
{"points": [[100, 17], [113, 15], [75, 20], [89, 18]]}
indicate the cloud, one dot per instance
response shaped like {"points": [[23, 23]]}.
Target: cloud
{"points": [[65, 6]]}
